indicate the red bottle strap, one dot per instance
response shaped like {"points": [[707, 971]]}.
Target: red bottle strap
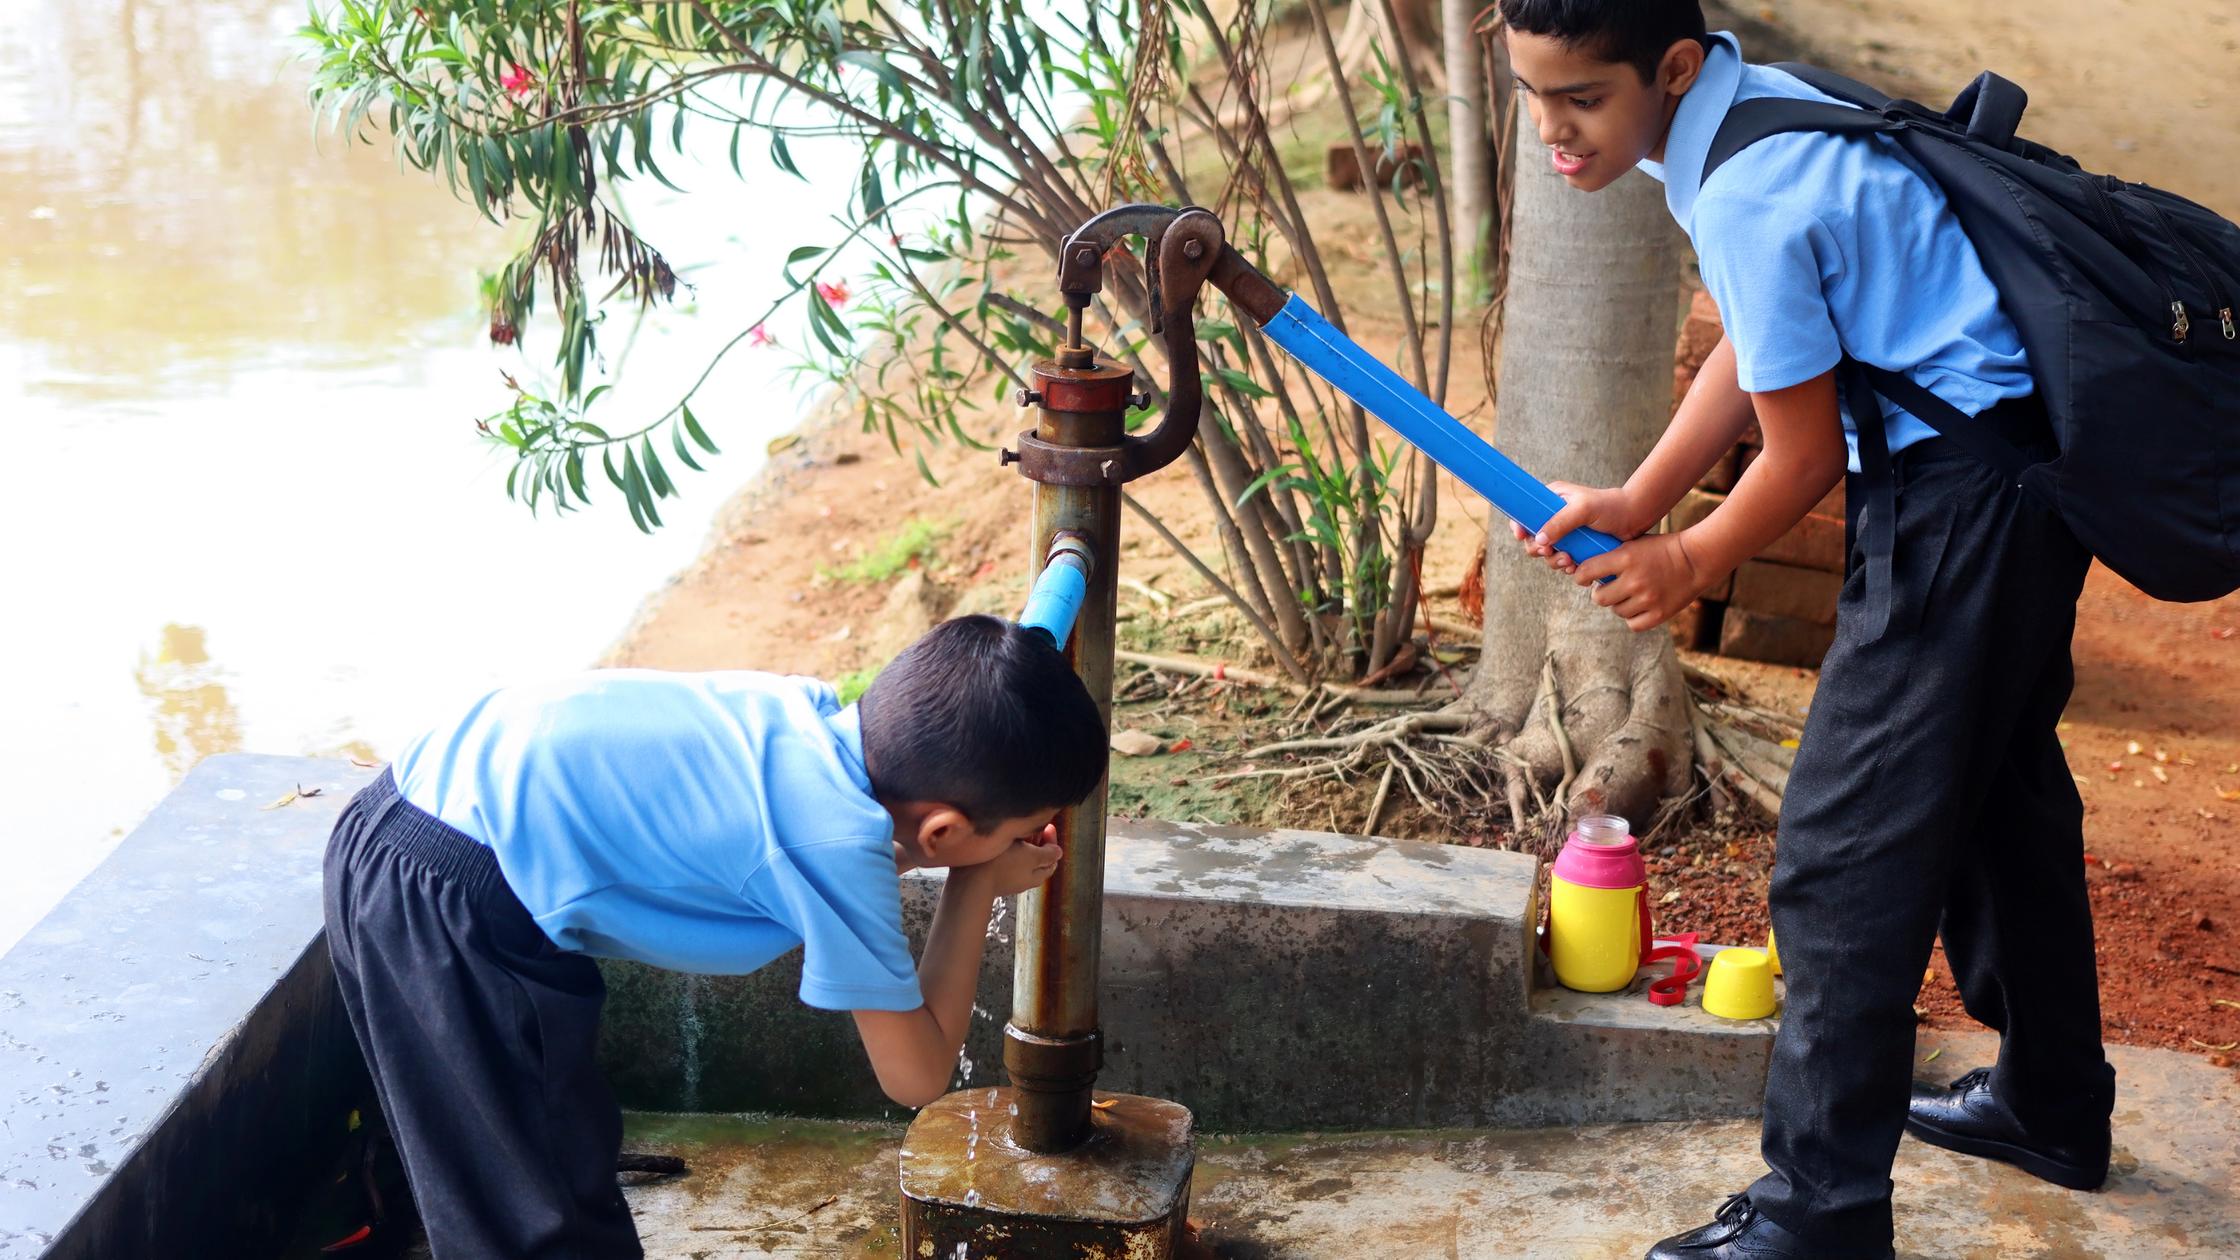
{"points": [[1672, 990]]}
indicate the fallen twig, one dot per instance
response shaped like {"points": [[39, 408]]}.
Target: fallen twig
{"points": [[1159, 599], [829, 1200], [1254, 678]]}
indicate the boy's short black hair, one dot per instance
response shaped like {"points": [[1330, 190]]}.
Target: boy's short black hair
{"points": [[1636, 32], [985, 715]]}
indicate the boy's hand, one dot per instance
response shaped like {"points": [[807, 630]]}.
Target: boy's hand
{"points": [[1026, 864], [1610, 510], [1653, 577]]}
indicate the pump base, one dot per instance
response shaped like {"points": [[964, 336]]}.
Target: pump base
{"points": [[969, 1191]]}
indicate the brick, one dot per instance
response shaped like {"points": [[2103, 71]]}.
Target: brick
{"points": [[1815, 543], [1721, 477], [1699, 335], [1696, 627], [1692, 508], [1781, 590], [1342, 170], [1776, 640], [1831, 503]]}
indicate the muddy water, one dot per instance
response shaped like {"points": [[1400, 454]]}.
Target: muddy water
{"points": [[246, 507]]}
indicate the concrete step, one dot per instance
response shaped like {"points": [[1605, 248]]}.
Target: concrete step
{"points": [[1617, 1058]]}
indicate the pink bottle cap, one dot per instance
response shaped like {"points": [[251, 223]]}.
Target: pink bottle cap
{"points": [[1600, 854]]}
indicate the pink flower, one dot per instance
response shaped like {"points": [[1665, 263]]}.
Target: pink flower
{"points": [[760, 336], [518, 82], [835, 292]]}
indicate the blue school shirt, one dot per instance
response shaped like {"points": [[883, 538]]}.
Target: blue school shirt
{"points": [[1816, 245], [699, 822]]}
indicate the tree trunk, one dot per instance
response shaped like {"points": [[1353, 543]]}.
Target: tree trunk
{"points": [[1472, 182], [1584, 390]]}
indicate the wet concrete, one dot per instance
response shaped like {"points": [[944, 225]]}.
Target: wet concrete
{"points": [[175, 1055], [807, 1188]]}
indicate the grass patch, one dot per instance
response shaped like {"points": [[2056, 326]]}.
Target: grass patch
{"points": [[851, 686], [913, 544]]}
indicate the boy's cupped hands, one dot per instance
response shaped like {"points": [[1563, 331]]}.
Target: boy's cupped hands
{"points": [[1026, 864]]}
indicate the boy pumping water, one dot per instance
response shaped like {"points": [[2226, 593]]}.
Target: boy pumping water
{"points": [[1930, 793], [699, 822]]}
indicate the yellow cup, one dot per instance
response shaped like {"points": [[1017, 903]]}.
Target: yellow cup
{"points": [[1739, 985], [1773, 952]]}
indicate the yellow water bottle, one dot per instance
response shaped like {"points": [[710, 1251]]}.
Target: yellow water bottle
{"points": [[1598, 907]]}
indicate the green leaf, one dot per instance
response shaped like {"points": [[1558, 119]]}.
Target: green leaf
{"points": [[676, 439], [1274, 474], [877, 65], [1241, 383], [641, 495], [783, 156], [575, 476], [699, 434], [874, 195], [926, 472], [655, 474]]}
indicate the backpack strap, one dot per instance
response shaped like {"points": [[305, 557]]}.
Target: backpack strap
{"points": [[1878, 523], [1753, 120], [1967, 432], [1877, 535], [1836, 85]]}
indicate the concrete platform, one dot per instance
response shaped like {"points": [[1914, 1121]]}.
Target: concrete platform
{"points": [[797, 1189], [1269, 980]]}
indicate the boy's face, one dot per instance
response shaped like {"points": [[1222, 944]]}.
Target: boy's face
{"points": [[1598, 118], [945, 837], [989, 845]]}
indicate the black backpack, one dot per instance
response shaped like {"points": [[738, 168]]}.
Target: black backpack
{"points": [[2128, 302]]}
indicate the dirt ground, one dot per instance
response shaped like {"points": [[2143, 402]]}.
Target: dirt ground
{"points": [[2153, 732]]}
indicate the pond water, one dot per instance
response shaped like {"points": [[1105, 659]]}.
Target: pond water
{"points": [[248, 509]]}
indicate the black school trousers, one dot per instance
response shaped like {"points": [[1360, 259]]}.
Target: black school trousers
{"points": [[1929, 795], [481, 1036]]}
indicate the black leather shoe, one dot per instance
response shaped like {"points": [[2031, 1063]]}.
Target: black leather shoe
{"points": [[1966, 1117], [1739, 1232]]}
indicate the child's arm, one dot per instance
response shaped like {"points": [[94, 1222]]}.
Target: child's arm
{"points": [[1656, 575], [913, 1053], [1711, 417]]}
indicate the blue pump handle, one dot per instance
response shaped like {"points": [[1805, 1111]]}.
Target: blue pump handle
{"points": [[1306, 336]]}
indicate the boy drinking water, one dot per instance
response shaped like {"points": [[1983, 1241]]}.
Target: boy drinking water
{"points": [[1930, 792], [699, 822]]}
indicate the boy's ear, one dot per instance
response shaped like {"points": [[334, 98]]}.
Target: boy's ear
{"points": [[1682, 62], [940, 830]]}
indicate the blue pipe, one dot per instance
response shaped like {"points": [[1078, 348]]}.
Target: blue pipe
{"points": [[1306, 336], [1055, 601]]}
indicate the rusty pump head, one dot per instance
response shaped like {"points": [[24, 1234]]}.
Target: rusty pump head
{"points": [[1184, 249]]}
